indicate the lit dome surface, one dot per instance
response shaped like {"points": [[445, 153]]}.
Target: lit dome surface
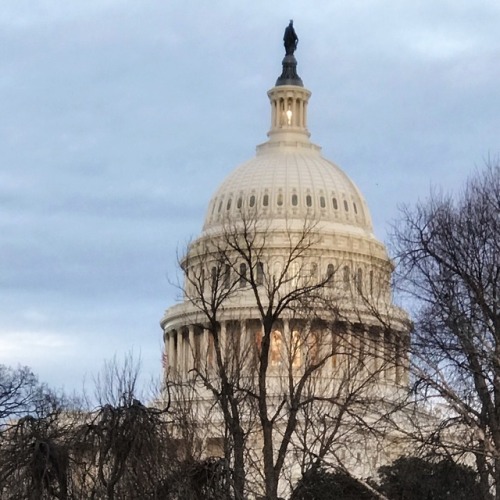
{"points": [[289, 183]]}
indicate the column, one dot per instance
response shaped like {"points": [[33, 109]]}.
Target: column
{"points": [[191, 348], [390, 356], [170, 351], [399, 359], [179, 356], [377, 340], [288, 342], [223, 341], [245, 347]]}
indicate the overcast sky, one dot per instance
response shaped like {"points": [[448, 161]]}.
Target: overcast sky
{"points": [[119, 119]]}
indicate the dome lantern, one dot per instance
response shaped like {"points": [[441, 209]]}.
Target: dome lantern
{"points": [[289, 98]]}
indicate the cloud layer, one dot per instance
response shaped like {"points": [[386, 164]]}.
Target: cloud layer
{"points": [[119, 119]]}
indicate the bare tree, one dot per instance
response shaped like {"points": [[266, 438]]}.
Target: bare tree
{"points": [[294, 356], [449, 262], [34, 446], [20, 393]]}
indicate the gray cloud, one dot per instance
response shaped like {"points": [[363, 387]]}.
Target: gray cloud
{"points": [[119, 119]]}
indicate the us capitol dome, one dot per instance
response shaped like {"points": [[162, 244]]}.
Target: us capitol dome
{"points": [[286, 273]]}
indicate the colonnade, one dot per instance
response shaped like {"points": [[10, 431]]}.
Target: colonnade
{"points": [[370, 348], [288, 108]]}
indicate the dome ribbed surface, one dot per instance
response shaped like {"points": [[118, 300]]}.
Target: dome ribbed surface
{"points": [[291, 183]]}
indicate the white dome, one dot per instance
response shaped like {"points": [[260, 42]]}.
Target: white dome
{"points": [[289, 179], [289, 183]]}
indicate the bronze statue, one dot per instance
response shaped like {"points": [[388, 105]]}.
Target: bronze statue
{"points": [[290, 39]]}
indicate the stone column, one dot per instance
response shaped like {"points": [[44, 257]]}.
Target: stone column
{"points": [[345, 349], [399, 359], [390, 356], [223, 340], [245, 352], [178, 358], [287, 340], [377, 347], [190, 349], [170, 350]]}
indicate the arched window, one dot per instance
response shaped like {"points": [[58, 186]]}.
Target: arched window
{"points": [[330, 274], [260, 273], [346, 278], [371, 282], [228, 207], [346, 206], [355, 207], [280, 200], [314, 269], [322, 202], [309, 200], [265, 200], [252, 201], [243, 275], [295, 200], [213, 274], [220, 206], [335, 204], [359, 280], [240, 203], [227, 276]]}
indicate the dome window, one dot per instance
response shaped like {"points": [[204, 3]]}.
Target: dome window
{"points": [[228, 207], [330, 272], [280, 200], [227, 276], [346, 278], [295, 200], [346, 206], [243, 275], [335, 204], [265, 200], [252, 201], [239, 203], [355, 207], [359, 280], [309, 200], [322, 202], [220, 206], [314, 269], [260, 273]]}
